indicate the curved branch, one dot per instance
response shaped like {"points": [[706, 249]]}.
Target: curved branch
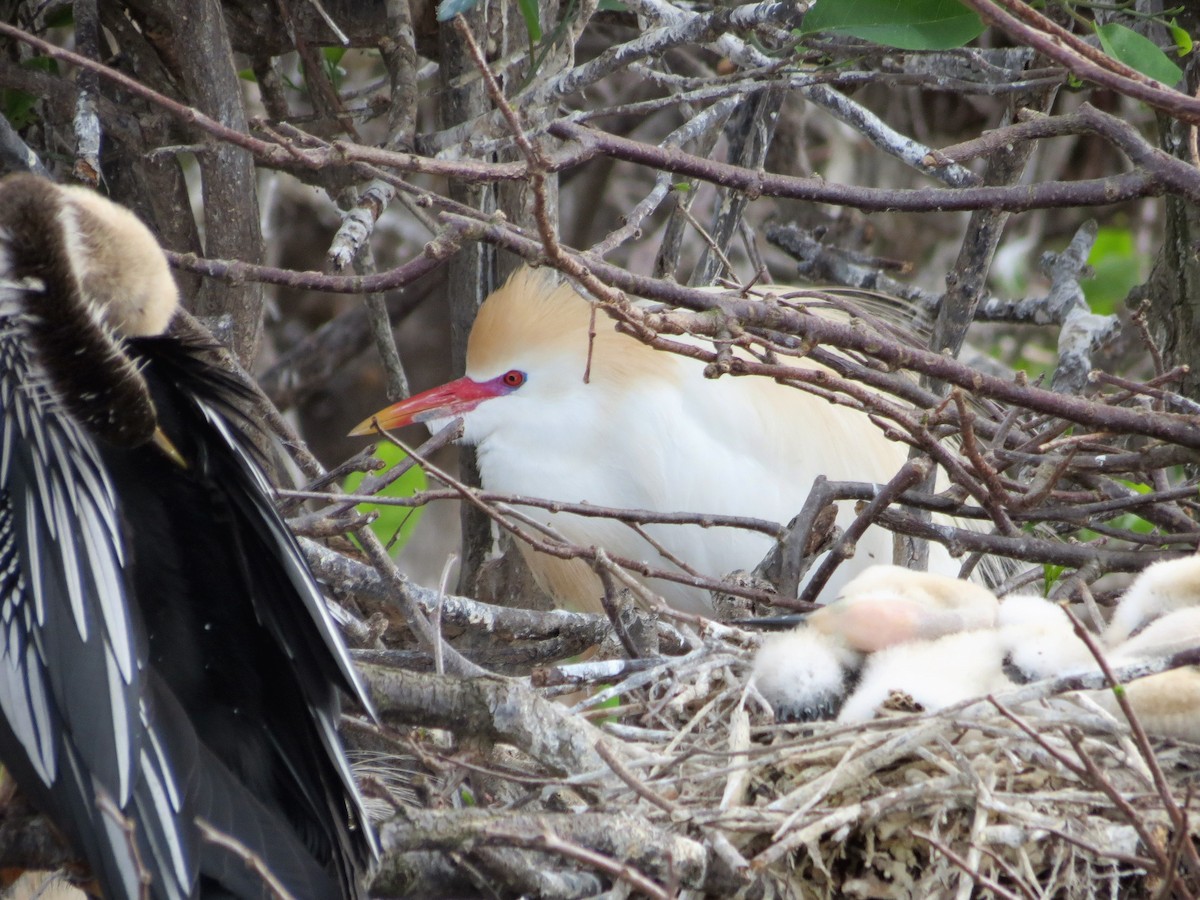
{"points": [[1024, 24], [1054, 194]]}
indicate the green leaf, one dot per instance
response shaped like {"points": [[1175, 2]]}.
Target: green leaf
{"points": [[41, 63], [1116, 266], [1132, 521], [1139, 53], [395, 524], [532, 17], [612, 6], [332, 57], [1050, 576], [448, 9], [906, 24], [1183, 40], [20, 107]]}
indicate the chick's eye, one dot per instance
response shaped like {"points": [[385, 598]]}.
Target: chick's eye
{"points": [[514, 378]]}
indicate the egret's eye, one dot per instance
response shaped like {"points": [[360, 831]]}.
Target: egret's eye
{"points": [[514, 378]]}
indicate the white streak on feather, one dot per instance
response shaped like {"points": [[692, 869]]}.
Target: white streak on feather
{"points": [[166, 812]]}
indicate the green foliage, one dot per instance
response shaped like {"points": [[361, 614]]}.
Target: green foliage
{"points": [[331, 57], [1138, 53], [568, 13], [1117, 267], [395, 524], [532, 17], [19, 107], [612, 6], [613, 702], [1183, 40], [1050, 577], [1126, 521], [906, 24], [1132, 521]]}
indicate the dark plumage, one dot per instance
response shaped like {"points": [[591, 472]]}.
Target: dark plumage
{"points": [[169, 675]]}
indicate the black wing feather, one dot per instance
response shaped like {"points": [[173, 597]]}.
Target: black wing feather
{"points": [[169, 674], [71, 666], [292, 653], [123, 581]]}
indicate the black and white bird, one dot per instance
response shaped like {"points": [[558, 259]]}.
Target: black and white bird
{"points": [[170, 678]]}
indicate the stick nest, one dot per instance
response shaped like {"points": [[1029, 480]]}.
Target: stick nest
{"points": [[1017, 795]]}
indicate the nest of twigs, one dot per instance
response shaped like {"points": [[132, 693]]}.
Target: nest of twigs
{"points": [[698, 792]]}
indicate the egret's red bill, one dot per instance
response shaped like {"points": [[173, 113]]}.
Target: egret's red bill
{"points": [[447, 401]]}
